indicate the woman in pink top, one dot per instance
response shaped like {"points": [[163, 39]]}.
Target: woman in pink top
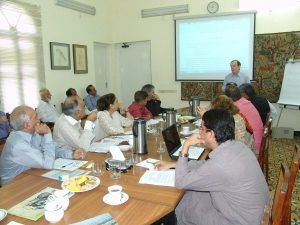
{"points": [[249, 111]]}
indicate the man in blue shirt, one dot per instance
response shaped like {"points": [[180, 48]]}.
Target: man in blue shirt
{"points": [[92, 97], [235, 76], [4, 126], [30, 145]]}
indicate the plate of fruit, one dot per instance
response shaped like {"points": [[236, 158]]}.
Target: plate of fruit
{"points": [[80, 183]]}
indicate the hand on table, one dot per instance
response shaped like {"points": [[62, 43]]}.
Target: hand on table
{"points": [[162, 165], [79, 153], [42, 128]]}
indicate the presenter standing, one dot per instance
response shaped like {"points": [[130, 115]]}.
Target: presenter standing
{"points": [[236, 76]]}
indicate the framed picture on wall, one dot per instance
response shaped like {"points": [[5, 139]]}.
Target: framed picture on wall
{"points": [[60, 56], [80, 59]]}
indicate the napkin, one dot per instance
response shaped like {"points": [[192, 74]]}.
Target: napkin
{"points": [[117, 154]]}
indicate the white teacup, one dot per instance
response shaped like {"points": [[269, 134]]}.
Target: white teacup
{"points": [[53, 212], [61, 197], [185, 130], [115, 191]]}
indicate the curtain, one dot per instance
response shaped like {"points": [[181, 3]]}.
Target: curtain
{"points": [[22, 72]]}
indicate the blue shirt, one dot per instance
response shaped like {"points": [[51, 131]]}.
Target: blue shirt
{"points": [[23, 151], [4, 126], [91, 101], [238, 79]]}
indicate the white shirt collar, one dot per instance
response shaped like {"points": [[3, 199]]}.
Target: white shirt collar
{"points": [[72, 120]]}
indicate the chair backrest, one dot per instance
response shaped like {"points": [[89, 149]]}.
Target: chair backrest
{"points": [[265, 218], [8, 116], [262, 148], [267, 118], [286, 213], [2, 143], [280, 194]]}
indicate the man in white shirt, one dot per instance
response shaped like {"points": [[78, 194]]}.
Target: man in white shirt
{"points": [[46, 109], [68, 132]]}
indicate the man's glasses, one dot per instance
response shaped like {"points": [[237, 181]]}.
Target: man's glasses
{"points": [[205, 129]]}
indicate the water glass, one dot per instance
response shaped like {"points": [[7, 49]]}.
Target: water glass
{"points": [[162, 125], [98, 168], [160, 146], [155, 130], [115, 171]]}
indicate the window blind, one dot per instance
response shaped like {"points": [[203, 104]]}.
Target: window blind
{"points": [[22, 72]]}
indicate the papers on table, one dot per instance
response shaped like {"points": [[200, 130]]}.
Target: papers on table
{"points": [[161, 178], [33, 207], [103, 219], [194, 152], [68, 164], [103, 146], [54, 174], [148, 163]]}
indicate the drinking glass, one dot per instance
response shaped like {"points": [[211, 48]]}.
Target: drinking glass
{"points": [[155, 130], [115, 171], [98, 168], [160, 146]]}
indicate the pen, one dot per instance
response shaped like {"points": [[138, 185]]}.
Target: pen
{"points": [[66, 165], [117, 137]]}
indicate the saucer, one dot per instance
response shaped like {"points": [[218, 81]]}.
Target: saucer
{"points": [[3, 214], [186, 134], [110, 200], [124, 148]]}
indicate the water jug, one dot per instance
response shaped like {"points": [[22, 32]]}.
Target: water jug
{"points": [[195, 102], [139, 136], [170, 116]]}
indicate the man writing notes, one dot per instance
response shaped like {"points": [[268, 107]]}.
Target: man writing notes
{"points": [[30, 145], [68, 132], [229, 187], [92, 97], [235, 76], [46, 109]]}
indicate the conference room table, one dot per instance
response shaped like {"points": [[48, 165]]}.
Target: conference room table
{"points": [[146, 204]]}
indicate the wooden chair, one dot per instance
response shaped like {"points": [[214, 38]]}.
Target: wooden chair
{"points": [[263, 159], [204, 155], [286, 213], [266, 215], [279, 195], [8, 117], [2, 143], [267, 118]]}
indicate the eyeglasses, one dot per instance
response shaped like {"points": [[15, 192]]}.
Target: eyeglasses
{"points": [[201, 128]]}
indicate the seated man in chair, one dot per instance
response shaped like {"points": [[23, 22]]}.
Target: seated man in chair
{"points": [[30, 145]]}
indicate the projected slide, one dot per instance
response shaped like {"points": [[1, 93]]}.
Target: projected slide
{"points": [[206, 46]]}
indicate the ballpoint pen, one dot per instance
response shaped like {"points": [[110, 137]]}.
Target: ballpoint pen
{"points": [[66, 165]]}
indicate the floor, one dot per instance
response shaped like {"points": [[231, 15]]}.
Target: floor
{"points": [[280, 151]]}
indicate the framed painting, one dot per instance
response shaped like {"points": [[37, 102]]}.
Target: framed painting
{"points": [[80, 59], [60, 56]]}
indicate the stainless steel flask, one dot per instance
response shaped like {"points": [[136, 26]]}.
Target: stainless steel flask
{"points": [[139, 131], [195, 102], [170, 116]]}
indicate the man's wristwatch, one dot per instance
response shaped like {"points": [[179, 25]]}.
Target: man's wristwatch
{"points": [[183, 154]]}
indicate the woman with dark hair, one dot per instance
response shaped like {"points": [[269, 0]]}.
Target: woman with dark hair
{"points": [[109, 119], [241, 133]]}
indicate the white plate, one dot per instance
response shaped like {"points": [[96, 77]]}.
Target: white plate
{"points": [[108, 199], [124, 147], [3, 214], [90, 188], [185, 134]]}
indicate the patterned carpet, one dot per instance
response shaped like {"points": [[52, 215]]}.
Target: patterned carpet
{"points": [[280, 151]]}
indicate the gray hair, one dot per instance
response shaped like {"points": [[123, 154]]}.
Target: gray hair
{"points": [[70, 109], [148, 88], [18, 117], [43, 92], [248, 89]]}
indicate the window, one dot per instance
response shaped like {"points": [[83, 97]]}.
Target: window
{"points": [[22, 72]]}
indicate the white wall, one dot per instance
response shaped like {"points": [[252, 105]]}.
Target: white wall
{"points": [[68, 26], [119, 21], [129, 26]]}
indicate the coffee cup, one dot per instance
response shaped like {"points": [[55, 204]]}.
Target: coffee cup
{"points": [[185, 130], [61, 197], [54, 212], [115, 191]]}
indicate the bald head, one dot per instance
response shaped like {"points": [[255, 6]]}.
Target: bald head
{"points": [[22, 115], [74, 107]]}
